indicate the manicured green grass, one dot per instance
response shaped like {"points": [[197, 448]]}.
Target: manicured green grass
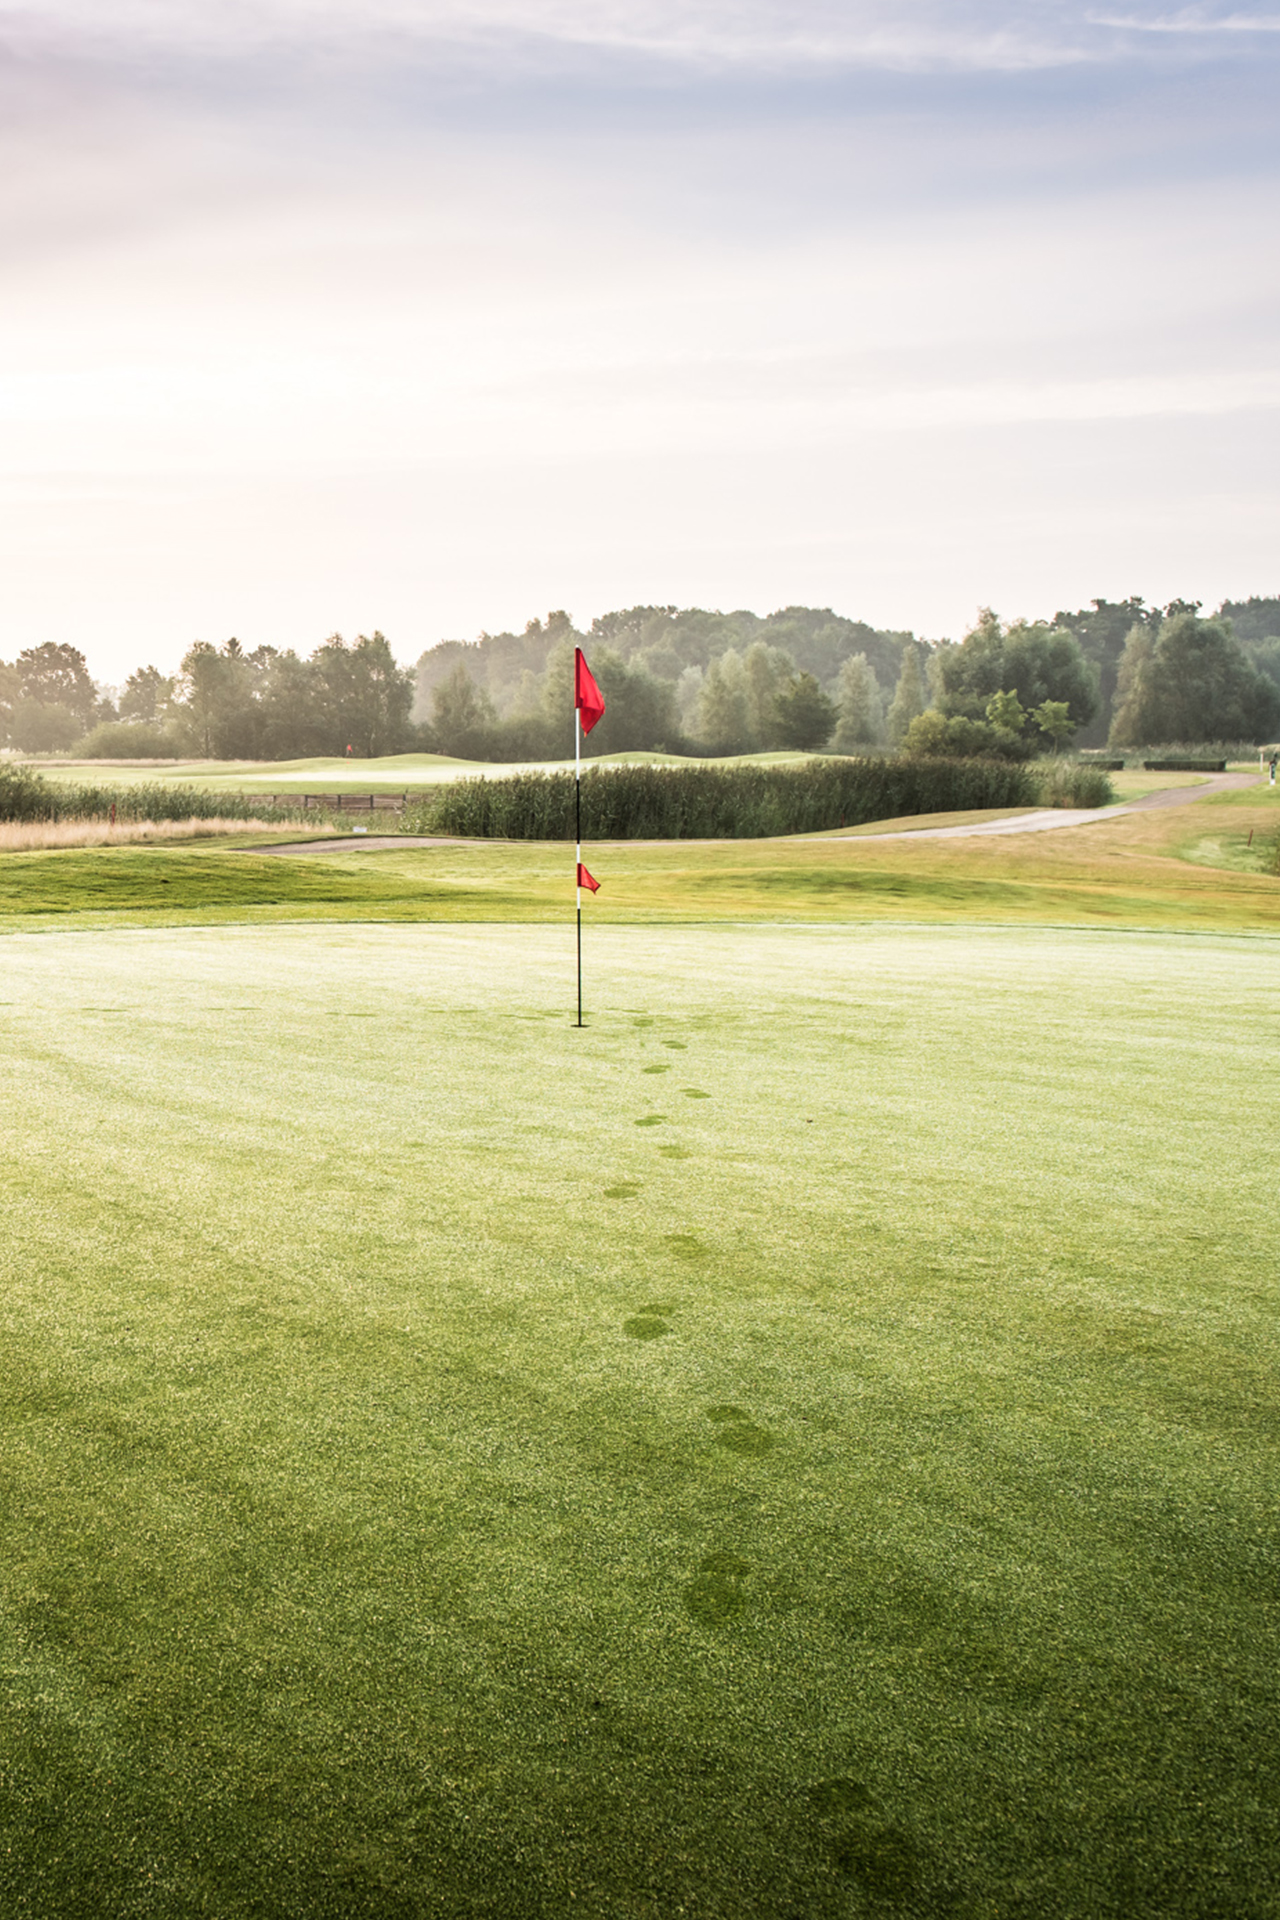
{"points": [[803, 1446], [390, 773]]}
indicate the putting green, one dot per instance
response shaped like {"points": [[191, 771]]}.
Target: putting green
{"points": [[803, 1445]]}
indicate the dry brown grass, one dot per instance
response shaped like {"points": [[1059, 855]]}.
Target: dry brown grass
{"points": [[34, 836]]}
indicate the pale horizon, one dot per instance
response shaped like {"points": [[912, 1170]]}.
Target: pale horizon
{"points": [[433, 317]]}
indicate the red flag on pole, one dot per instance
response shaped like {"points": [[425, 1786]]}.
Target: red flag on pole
{"points": [[585, 880], [587, 697]]}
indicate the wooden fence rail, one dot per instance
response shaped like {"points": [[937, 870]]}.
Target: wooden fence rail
{"points": [[333, 802]]}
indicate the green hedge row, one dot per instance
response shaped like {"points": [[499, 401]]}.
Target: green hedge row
{"points": [[733, 803]]}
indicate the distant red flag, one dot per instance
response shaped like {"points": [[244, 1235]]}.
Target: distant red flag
{"points": [[587, 697], [585, 880]]}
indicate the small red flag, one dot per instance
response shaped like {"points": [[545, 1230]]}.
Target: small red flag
{"points": [[585, 880], [587, 697]]}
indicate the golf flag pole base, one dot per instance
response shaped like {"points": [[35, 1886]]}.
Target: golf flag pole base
{"points": [[578, 1021]]}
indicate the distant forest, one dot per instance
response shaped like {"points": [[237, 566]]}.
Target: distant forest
{"points": [[688, 679], [684, 680]]}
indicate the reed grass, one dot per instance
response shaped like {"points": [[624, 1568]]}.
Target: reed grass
{"points": [[736, 803], [26, 796], [36, 836]]}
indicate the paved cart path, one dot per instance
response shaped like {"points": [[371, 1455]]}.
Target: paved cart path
{"points": [[1039, 822], [1048, 817]]}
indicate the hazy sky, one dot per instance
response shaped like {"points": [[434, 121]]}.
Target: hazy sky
{"points": [[320, 315]]}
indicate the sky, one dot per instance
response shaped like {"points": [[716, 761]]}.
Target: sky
{"points": [[432, 315]]}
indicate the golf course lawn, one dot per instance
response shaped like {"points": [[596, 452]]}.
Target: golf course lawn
{"points": [[1210, 866], [804, 1445]]}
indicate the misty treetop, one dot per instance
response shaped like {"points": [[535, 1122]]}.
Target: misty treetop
{"points": [[686, 680], [673, 678], [223, 704], [1191, 679]]}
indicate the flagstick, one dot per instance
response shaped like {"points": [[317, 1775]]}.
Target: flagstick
{"points": [[577, 826]]}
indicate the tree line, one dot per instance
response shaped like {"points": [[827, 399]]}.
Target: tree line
{"points": [[686, 681], [1118, 673], [223, 704]]}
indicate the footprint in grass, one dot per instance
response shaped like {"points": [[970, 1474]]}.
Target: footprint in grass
{"points": [[719, 1591], [737, 1431], [694, 1093], [687, 1245], [652, 1120], [842, 1796], [625, 1190], [664, 1066], [645, 1326], [674, 1153], [885, 1859], [677, 1046]]}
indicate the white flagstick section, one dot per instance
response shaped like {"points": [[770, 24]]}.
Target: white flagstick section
{"points": [[577, 829]]}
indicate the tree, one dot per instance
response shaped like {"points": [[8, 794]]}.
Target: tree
{"points": [[1053, 717], [10, 690], [1006, 710], [202, 684], [147, 694], [724, 707], [1035, 661], [289, 720], [770, 672], [1192, 681], [861, 722], [40, 726], [936, 735], [1102, 629], [362, 697], [803, 715], [639, 709], [51, 676], [461, 716], [908, 699]]}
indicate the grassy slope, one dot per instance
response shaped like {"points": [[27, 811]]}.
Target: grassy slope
{"points": [[803, 1446], [1178, 868], [392, 773]]}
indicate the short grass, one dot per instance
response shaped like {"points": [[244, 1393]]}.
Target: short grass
{"points": [[803, 1446], [391, 773]]}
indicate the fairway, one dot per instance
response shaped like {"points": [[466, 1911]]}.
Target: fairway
{"points": [[802, 1446]]}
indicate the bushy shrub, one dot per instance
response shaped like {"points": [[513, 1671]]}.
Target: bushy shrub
{"points": [[128, 740], [23, 794], [1071, 783], [939, 736], [745, 803]]}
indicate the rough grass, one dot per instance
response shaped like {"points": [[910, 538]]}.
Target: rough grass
{"points": [[803, 1446], [29, 836]]}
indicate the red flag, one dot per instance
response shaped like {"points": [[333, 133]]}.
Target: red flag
{"points": [[587, 697], [585, 880]]}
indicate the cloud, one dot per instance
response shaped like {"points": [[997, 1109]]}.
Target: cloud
{"points": [[1192, 20], [765, 37]]}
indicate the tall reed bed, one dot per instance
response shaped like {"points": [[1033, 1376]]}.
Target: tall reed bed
{"points": [[27, 798], [733, 803]]}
